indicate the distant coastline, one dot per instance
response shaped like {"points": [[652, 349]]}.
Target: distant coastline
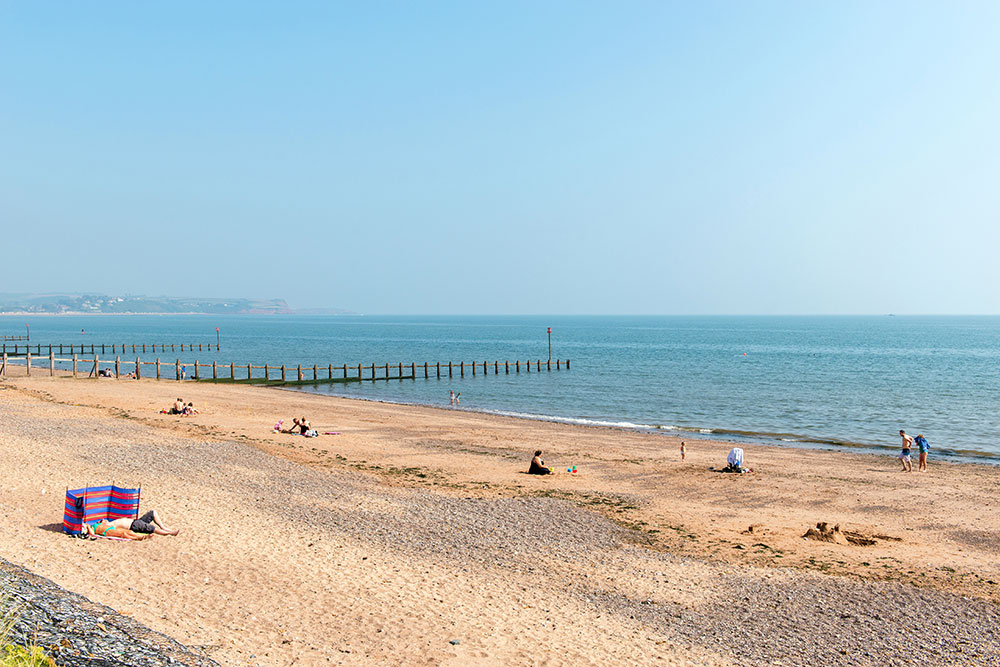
{"points": [[29, 313], [132, 304]]}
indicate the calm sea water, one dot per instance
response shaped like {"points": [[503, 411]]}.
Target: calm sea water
{"points": [[800, 381]]}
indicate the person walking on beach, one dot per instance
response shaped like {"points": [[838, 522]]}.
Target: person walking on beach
{"points": [[904, 455], [458, 398], [924, 447]]}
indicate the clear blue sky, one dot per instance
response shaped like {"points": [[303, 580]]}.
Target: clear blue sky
{"points": [[513, 157]]}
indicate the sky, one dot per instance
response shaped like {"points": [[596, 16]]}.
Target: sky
{"points": [[509, 157]]}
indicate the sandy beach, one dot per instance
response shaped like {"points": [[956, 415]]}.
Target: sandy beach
{"points": [[415, 537]]}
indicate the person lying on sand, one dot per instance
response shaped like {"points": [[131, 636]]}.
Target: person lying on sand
{"points": [[105, 528], [148, 524], [189, 410], [537, 466]]}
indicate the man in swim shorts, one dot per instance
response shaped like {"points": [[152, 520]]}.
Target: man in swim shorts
{"points": [[904, 455], [148, 523]]}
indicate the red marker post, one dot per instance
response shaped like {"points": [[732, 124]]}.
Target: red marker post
{"points": [[550, 343], [216, 338]]}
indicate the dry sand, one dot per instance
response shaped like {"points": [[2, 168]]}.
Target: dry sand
{"points": [[417, 526]]}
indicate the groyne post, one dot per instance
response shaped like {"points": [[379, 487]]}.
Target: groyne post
{"points": [[74, 365], [282, 372], [52, 362], [137, 372], [157, 368], [27, 357], [196, 376], [177, 369]]}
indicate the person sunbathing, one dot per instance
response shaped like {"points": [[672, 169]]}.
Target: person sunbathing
{"points": [[148, 524], [537, 466], [105, 528], [189, 410]]}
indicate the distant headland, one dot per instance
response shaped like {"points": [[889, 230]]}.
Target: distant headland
{"points": [[103, 304]]}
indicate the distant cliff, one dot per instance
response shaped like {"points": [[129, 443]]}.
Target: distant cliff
{"points": [[102, 303]]}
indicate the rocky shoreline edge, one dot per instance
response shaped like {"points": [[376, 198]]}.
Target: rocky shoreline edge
{"points": [[79, 633]]}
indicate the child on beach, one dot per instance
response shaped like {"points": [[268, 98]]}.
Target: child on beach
{"points": [[458, 398], [683, 450], [904, 454], [924, 447], [452, 396]]}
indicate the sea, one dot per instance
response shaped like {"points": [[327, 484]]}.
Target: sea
{"points": [[830, 382]]}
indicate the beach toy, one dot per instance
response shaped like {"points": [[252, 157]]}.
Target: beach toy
{"points": [[551, 469]]}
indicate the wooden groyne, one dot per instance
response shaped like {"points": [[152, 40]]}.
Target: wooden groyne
{"points": [[104, 348], [271, 374]]}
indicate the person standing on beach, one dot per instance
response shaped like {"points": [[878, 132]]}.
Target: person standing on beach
{"points": [[452, 392], [904, 455], [924, 447], [683, 450], [458, 398]]}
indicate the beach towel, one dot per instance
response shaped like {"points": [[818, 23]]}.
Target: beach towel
{"points": [[98, 502]]}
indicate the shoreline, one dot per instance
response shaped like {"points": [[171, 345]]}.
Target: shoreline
{"points": [[415, 526], [733, 437]]}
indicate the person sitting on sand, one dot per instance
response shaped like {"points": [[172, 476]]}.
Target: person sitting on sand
{"points": [[734, 461], [178, 407], [537, 466], [303, 426]]}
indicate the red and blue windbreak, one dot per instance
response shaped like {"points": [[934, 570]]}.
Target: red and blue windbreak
{"points": [[98, 502]]}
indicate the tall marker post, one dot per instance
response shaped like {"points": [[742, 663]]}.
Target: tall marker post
{"points": [[550, 343], [216, 338]]}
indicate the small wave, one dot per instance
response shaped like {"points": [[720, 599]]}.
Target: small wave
{"points": [[705, 430], [573, 420]]}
